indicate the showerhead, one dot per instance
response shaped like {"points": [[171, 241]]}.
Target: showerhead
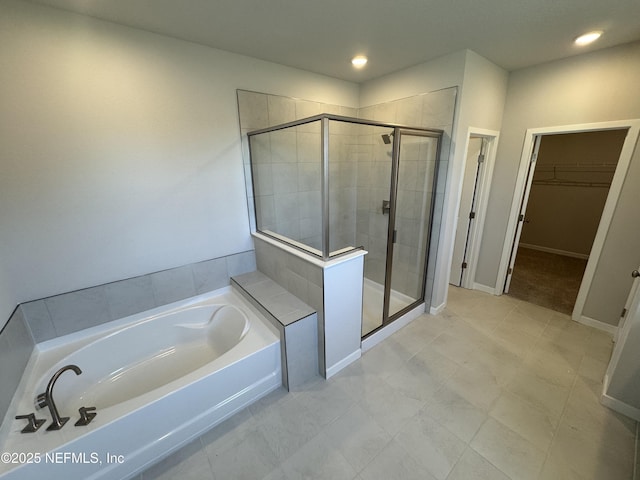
{"points": [[386, 138]]}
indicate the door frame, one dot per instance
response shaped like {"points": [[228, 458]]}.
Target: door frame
{"points": [[398, 133], [523, 183], [484, 188], [484, 185]]}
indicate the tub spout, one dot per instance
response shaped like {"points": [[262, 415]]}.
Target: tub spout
{"points": [[46, 399]]}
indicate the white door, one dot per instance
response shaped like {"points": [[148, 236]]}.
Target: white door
{"points": [[627, 308], [522, 211], [467, 210], [621, 385]]}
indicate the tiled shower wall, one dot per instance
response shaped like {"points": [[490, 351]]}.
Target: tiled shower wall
{"points": [[430, 110], [288, 162], [360, 172]]}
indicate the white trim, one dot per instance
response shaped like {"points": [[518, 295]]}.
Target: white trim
{"points": [[522, 207], [484, 288], [349, 359], [633, 126], [617, 405], [484, 186], [591, 322], [564, 253], [332, 262], [384, 333], [438, 309]]}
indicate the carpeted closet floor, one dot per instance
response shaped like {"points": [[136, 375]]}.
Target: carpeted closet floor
{"points": [[547, 279]]}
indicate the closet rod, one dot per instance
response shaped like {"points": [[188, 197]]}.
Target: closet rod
{"points": [[564, 183]]}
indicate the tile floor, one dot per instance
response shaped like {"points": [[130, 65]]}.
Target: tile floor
{"points": [[492, 388]]}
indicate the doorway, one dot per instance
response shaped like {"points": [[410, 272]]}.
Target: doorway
{"points": [[568, 175], [570, 184], [404, 218], [476, 182]]}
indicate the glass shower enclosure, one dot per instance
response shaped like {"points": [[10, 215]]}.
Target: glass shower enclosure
{"points": [[328, 184]]}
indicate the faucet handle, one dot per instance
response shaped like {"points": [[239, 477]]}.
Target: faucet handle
{"points": [[34, 423], [41, 400], [86, 415]]}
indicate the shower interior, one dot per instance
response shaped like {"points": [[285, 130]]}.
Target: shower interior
{"points": [[329, 184]]}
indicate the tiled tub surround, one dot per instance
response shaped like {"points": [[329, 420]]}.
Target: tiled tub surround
{"points": [[16, 346], [296, 322], [204, 359], [70, 312], [333, 289]]}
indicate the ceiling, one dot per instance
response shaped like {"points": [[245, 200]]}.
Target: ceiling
{"points": [[322, 35]]}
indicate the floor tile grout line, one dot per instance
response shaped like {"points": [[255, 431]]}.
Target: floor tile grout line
{"points": [[560, 418], [478, 453]]}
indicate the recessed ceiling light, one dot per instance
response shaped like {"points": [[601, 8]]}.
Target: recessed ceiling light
{"points": [[587, 38], [359, 61]]}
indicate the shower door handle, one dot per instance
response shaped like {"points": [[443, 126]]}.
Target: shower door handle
{"points": [[635, 274]]}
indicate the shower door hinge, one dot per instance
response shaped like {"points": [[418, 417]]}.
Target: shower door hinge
{"points": [[510, 271], [481, 158], [521, 217], [624, 313], [395, 233], [464, 265], [472, 215]]}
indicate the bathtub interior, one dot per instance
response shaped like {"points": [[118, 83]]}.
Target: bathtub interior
{"points": [[245, 333], [147, 355]]}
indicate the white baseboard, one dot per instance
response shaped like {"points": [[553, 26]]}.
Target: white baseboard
{"points": [[438, 309], [372, 340], [484, 288], [554, 250], [592, 322], [617, 405], [336, 367]]}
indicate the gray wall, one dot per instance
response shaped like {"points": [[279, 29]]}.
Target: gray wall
{"points": [[595, 87]]}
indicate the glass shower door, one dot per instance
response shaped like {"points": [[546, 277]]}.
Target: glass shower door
{"points": [[408, 242]]}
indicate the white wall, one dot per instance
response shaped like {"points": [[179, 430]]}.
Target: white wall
{"points": [[120, 149], [595, 87]]}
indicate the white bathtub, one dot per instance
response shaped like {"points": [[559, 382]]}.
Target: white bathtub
{"points": [[157, 379]]}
